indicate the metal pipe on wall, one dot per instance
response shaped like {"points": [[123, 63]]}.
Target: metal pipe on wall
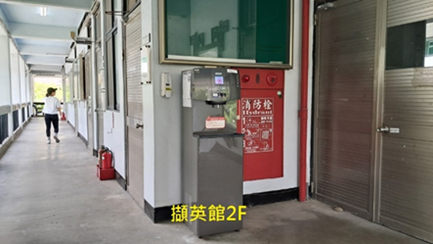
{"points": [[104, 76], [94, 85], [303, 112]]}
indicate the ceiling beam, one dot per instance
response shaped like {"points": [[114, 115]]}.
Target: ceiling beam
{"points": [[37, 50], [53, 61], [46, 74], [53, 33], [45, 68], [80, 5]]}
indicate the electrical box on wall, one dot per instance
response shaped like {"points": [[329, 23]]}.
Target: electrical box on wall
{"points": [[166, 85]]}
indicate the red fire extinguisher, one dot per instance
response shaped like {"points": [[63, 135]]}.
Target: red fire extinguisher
{"points": [[100, 152], [105, 170], [106, 159]]}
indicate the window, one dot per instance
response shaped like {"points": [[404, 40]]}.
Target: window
{"points": [[97, 25], [410, 46], [110, 58], [429, 48], [76, 80], [84, 81], [67, 89], [112, 100], [15, 120], [4, 127], [109, 14], [129, 5], [248, 32]]}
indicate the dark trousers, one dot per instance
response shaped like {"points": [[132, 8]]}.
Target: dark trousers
{"points": [[52, 118]]}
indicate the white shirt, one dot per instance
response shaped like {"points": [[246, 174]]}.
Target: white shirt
{"points": [[51, 105]]}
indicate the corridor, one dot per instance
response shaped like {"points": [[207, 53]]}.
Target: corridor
{"points": [[49, 194]]}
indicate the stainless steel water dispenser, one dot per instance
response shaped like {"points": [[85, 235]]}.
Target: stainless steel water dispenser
{"points": [[212, 158]]}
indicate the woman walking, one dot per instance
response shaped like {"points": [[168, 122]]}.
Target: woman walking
{"points": [[51, 108]]}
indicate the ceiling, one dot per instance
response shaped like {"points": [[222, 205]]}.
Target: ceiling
{"points": [[43, 41]]}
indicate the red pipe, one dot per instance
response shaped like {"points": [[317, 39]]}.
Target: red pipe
{"points": [[303, 112]]}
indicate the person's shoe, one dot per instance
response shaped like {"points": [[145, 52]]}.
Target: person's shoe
{"points": [[49, 141], [57, 139]]}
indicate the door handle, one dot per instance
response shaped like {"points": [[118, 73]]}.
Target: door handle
{"points": [[139, 125], [386, 129]]}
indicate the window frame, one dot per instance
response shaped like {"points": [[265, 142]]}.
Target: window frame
{"points": [[429, 45], [71, 86], [68, 89], [111, 94], [112, 99], [192, 60], [130, 5], [76, 80]]}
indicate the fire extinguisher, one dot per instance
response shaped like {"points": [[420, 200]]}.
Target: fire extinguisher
{"points": [[100, 152], [106, 159]]}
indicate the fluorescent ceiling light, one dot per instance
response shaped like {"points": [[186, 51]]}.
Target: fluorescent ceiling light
{"points": [[43, 11]]}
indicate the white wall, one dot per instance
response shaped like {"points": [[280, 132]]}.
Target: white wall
{"points": [[28, 85], [162, 171], [23, 86], [114, 139], [15, 78], [5, 91], [14, 87], [30, 91], [147, 16], [71, 113], [65, 88], [82, 118], [162, 128]]}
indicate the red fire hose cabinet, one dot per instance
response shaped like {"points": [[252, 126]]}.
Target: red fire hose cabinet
{"points": [[261, 120]]}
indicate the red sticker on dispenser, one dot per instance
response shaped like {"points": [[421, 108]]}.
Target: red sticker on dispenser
{"points": [[215, 123]]}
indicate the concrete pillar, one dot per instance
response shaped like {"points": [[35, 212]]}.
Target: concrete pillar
{"points": [[20, 88]]}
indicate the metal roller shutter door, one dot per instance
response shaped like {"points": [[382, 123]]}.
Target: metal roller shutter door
{"points": [[344, 106], [134, 108]]}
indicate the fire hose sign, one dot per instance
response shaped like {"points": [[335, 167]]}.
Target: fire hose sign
{"points": [[258, 124]]}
